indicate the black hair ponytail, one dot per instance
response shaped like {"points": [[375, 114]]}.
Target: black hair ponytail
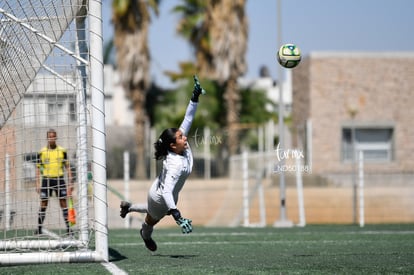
{"points": [[162, 145]]}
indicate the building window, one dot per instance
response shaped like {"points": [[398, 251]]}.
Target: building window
{"points": [[54, 111], [375, 142], [72, 111]]}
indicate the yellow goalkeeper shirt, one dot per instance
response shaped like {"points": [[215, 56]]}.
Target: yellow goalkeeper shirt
{"points": [[51, 161]]}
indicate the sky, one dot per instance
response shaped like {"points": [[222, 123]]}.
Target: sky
{"points": [[313, 25]]}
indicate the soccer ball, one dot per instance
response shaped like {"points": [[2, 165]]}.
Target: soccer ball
{"points": [[288, 55]]}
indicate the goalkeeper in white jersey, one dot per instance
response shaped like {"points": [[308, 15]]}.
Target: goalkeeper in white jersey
{"points": [[171, 147]]}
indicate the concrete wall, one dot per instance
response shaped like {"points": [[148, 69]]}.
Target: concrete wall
{"points": [[377, 88]]}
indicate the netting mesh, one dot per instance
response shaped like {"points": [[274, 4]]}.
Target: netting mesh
{"points": [[42, 85], [28, 33]]}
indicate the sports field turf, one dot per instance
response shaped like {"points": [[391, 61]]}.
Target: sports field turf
{"points": [[314, 249]]}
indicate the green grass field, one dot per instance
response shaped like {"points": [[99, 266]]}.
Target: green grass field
{"points": [[314, 249]]}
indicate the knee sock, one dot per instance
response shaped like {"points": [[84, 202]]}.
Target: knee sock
{"points": [[41, 216], [65, 216], [138, 207], [147, 230]]}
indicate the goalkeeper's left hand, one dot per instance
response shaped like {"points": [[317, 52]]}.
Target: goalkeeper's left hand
{"points": [[198, 90], [184, 223]]}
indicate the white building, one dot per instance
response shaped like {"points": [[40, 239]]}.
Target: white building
{"points": [[268, 85], [117, 106], [48, 102]]}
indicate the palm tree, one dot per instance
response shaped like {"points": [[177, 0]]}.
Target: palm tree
{"points": [[217, 30], [228, 41], [193, 27], [131, 19]]}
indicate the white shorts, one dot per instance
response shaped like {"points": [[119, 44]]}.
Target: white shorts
{"points": [[157, 208]]}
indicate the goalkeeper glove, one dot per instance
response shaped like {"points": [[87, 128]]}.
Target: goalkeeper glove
{"points": [[197, 90], [184, 223]]}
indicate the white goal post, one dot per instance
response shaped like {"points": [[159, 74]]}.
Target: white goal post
{"points": [[51, 76]]}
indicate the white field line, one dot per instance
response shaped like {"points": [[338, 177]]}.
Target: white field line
{"points": [[194, 234], [114, 269], [267, 242]]}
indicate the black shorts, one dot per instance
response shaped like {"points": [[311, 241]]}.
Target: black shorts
{"points": [[50, 185]]}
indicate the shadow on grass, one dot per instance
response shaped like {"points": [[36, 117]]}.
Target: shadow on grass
{"points": [[115, 256], [177, 256]]}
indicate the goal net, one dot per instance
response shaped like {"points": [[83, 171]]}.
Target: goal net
{"points": [[51, 77]]}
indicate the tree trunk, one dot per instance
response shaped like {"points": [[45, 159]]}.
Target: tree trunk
{"points": [[232, 98], [140, 119]]}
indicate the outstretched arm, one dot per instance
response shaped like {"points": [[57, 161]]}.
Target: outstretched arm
{"points": [[192, 107], [189, 117], [170, 180]]}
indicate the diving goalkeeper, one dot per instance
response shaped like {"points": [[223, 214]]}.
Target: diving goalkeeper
{"points": [[171, 147]]}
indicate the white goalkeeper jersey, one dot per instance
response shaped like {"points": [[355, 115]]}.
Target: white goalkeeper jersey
{"points": [[176, 168]]}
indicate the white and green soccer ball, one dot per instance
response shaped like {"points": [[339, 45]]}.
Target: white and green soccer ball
{"points": [[289, 55]]}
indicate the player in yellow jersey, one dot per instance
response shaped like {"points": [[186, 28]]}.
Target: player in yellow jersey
{"points": [[51, 161]]}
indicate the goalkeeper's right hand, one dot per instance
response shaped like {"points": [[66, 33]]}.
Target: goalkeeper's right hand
{"points": [[184, 223]]}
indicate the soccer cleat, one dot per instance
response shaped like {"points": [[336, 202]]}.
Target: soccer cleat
{"points": [[69, 232], [124, 208], [150, 244], [38, 231]]}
